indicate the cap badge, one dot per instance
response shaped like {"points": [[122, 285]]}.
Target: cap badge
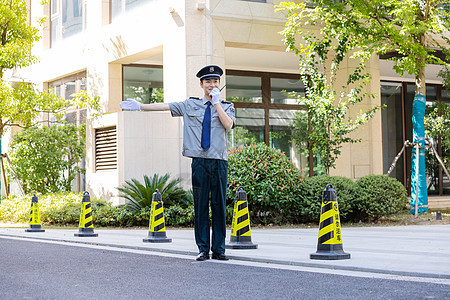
{"points": [[211, 69]]}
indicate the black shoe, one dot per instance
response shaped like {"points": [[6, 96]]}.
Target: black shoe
{"points": [[219, 256], [202, 256]]}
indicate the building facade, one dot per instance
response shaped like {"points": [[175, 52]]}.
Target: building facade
{"points": [[150, 50]]}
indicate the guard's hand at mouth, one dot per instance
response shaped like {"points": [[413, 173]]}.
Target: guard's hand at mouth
{"points": [[215, 96]]}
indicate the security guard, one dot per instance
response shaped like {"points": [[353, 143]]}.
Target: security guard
{"points": [[206, 122]]}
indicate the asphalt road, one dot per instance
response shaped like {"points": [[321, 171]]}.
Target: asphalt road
{"points": [[37, 270]]}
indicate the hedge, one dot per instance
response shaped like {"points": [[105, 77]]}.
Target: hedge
{"points": [[369, 198], [270, 180], [380, 196], [308, 205]]}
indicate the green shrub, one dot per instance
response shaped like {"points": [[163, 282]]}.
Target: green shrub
{"points": [[45, 158], [176, 215], [67, 213], [141, 195], [308, 205], [60, 208], [124, 217], [380, 196], [65, 209], [270, 180], [15, 209]]}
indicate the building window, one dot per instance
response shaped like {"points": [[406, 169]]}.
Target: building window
{"points": [[244, 89], [279, 87], [265, 112], [69, 85], [249, 127], [65, 88], [392, 116], [143, 83], [119, 7], [68, 17]]}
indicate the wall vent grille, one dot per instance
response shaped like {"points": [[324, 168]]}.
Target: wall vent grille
{"points": [[106, 148]]}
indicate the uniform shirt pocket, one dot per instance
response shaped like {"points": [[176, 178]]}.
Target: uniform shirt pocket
{"points": [[195, 117], [215, 121]]}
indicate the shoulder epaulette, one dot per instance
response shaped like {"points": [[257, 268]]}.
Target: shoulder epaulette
{"points": [[226, 102], [196, 98]]}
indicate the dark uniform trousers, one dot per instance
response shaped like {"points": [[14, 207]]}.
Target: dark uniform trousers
{"points": [[209, 178]]}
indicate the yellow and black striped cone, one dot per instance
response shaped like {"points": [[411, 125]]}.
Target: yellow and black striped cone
{"points": [[35, 217], [157, 227], [329, 245], [86, 225], [241, 237]]}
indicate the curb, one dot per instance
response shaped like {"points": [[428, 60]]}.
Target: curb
{"points": [[243, 258]]}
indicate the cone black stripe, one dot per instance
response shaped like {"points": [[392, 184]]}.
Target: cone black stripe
{"points": [[326, 237], [242, 218], [86, 225], [327, 207], [157, 217], [242, 206], [329, 246], [243, 230], [35, 218], [159, 227], [241, 236], [326, 222], [31, 212]]}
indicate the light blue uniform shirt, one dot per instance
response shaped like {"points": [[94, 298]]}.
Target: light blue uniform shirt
{"points": [[192, 110]]}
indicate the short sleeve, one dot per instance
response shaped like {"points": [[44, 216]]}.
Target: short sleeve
{"points": [[229, 109], [177, 109]]}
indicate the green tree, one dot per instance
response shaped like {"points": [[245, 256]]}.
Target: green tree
{"points": [[328, 123], [412, 29], [21, 104], [17, 36], [45, 158]]}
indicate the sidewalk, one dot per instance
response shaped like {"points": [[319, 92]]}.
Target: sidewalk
{"points": [[421, 251]]}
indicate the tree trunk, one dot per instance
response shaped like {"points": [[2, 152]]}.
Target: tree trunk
{"points": [[420, 82], [419, 196]]}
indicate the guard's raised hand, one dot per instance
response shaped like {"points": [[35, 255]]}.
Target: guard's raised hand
{"points": [[215, 96], [130, 104]]}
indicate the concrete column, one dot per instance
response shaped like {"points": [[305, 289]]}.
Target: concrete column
{"points": [[192, 42], [366, 157]]}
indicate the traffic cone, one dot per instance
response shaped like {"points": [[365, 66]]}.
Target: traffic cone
{"points": [[86, 226], [35, 216], [157, 227], [241, 237], [329, 245]]}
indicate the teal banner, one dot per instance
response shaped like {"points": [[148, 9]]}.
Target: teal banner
{"points": [[419, 173]]}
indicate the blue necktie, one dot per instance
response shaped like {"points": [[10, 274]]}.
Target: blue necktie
{"points": [[206, 128]]}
